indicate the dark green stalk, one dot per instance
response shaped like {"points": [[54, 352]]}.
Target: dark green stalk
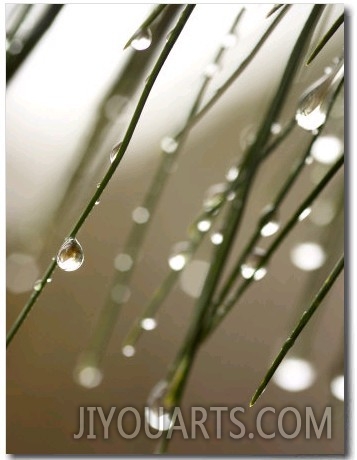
{"points": [[250, 166], [24, 10], [305, 318], [13, 62], [145, 94], [335, 26], [222, 312], [147, 23], [275, 8]]}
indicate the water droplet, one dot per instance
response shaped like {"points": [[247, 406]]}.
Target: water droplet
{"points": [[327, 70], [304, 214], [148, 324], [313, 106], [232, 174], [49, 280], [114, 151], [327, 149], [142, 40], [309, 160], [275, 128], [228, 41], [98, 185], [214, 197], [211, 70], [231, 196], [120, 293], [70, 256], [157, 414], [140, 215], [204, 225], [38, 285], [97, 202], [123, 262], [270, 222], [168, 144], [249, 268], [308, 256], [128, 351], [179, 256], [217, 238], [88, 376]]}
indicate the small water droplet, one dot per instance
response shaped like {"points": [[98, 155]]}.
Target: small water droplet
{"points": [[276, 128], [157, 414], [250, 268], [269, 221], [327, 149], [232, 174], [179, 256], [120, 294], [327, 70], [313, 106], [70, 256], [142, 40], [214, 197], [308, 256], [123, 262], [204, 225], [304, 214], [38, 285], [231, 196], [228, 41], [128, 351], [49, 280], [217, 238], [309, 160], [148, 324], [211, 70], [140, 215], [88, 376], [168, 144], [97, 202], [114, 151], [98, 185]]}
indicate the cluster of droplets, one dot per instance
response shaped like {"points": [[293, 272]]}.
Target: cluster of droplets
{"points": [[252, 268], [314, 103], [141, 40], [70, 256]]}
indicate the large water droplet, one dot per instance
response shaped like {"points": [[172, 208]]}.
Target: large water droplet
{"points": [[249, 268], [179, 256], [214, 197], [114, 151], [204, 225], [168, 144], [314, 103], [70, 256], [157, 414], [142, 40], [217, 238]]}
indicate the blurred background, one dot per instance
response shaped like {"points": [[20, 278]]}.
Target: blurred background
{"points": [[75, 94]]}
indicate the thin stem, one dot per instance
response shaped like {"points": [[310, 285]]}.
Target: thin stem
{"points": [[13, 62], [305, 318], [30, 303], [335, 26], [145, 94], [275, 8], [222, 312]]}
